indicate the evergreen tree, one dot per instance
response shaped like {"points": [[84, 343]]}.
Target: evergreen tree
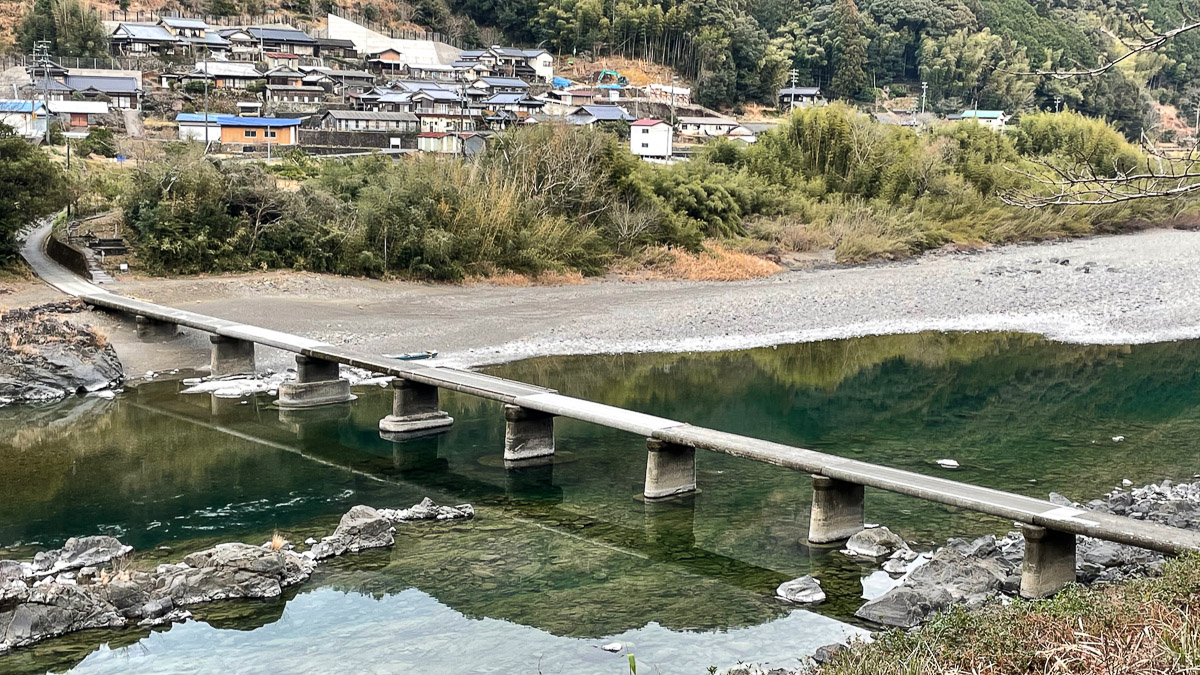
{"points": [[70, 29], [850, 51], [31, 186], [37, 26]]}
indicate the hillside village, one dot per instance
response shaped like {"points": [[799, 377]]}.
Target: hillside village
{"points": [[349, 88]]}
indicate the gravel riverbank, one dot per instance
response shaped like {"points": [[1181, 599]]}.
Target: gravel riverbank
{"points": [[1133, 288]]}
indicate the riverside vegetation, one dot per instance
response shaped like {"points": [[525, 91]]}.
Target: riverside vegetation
{"points": [[555, 198]]}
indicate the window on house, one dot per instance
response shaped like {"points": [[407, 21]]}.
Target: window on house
{"points": [[645, 131], [645, 145], [250, 133], [271, 133]]}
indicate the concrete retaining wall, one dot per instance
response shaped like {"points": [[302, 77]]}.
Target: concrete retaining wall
{"points": [[68, 256]]}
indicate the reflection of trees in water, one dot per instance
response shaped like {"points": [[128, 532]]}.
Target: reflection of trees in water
{"points": [[896, 399]]}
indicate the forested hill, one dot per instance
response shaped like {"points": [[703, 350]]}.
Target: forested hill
{"points": [[968, 50]]}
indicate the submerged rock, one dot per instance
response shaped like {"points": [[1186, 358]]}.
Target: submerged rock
{"points": [[44, 358], [805, 590], [427, 509], [361, 528]]}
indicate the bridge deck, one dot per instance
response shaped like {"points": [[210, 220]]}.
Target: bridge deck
{"points": [[953, 493]]}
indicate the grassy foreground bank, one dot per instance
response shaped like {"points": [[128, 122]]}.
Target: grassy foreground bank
{"points": [[1143, 626]]}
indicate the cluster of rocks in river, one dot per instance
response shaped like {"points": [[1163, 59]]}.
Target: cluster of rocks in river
{"points": [[43, 357], [971, 573], [88, 583]]}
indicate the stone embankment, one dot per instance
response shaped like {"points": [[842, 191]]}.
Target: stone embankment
{"points": [[90, 582], [43, 357]]}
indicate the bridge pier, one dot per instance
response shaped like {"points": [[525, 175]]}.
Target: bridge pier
{"points": [[414, 409], [670, 469], [318, 382], [837, 510], [230, 356], [151, 330], [528, 436], [1049, 562]]}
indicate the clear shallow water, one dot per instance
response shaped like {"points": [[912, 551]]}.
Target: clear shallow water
{"points": [[562, 559]]}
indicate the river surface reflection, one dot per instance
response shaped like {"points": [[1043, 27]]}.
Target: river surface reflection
{"points": [[564, 558]]}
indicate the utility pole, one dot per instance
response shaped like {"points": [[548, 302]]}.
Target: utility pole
{"points": [[674, 79], [1197, 132], [924, 90], [206, 54], [795, 75], [1057, 103]]}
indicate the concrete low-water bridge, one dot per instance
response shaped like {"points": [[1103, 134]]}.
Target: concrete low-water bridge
{"points": [[529, 411]]}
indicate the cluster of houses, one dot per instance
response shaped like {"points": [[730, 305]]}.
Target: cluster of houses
{"points": [[354, 87]]}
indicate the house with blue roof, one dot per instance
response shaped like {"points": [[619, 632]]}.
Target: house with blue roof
{"points": [[27, 118], [237, 132]]}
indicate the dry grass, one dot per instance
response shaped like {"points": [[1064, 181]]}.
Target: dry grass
{"points": [[278, 542], [566, 278], [1143, 627], [717, 262]]}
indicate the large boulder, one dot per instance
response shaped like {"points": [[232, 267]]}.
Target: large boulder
{"points": [[43, 357], [958, 574], [876, 542], [905, 606], [232, 570], [361, 528], [77, 553], [949, 577], [52, 609]]}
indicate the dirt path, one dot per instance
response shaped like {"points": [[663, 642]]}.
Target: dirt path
{"points": [[1132, 288]]}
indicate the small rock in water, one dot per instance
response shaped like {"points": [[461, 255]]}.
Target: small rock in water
{"points": [[427, 509], [805, 590], [613, 647], [947, 464], [895, 566], [874, 543], [1118, 439], [1126, 482], [310, 541]]}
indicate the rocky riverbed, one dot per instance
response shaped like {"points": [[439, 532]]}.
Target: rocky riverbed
{"points": [[44, 357], [91, 582], [988, 569]]}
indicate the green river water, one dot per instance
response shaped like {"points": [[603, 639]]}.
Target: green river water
{"points": [[565, 558]]}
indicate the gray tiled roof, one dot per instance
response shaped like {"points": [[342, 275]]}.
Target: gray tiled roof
{"points": [[504, 82], [604, 113], [104, 83], [370, 115], [280, 35], [183, 22], [145, 31]]}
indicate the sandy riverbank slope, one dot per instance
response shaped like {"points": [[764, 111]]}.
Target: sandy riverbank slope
{"points": [[1141, 287]]}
